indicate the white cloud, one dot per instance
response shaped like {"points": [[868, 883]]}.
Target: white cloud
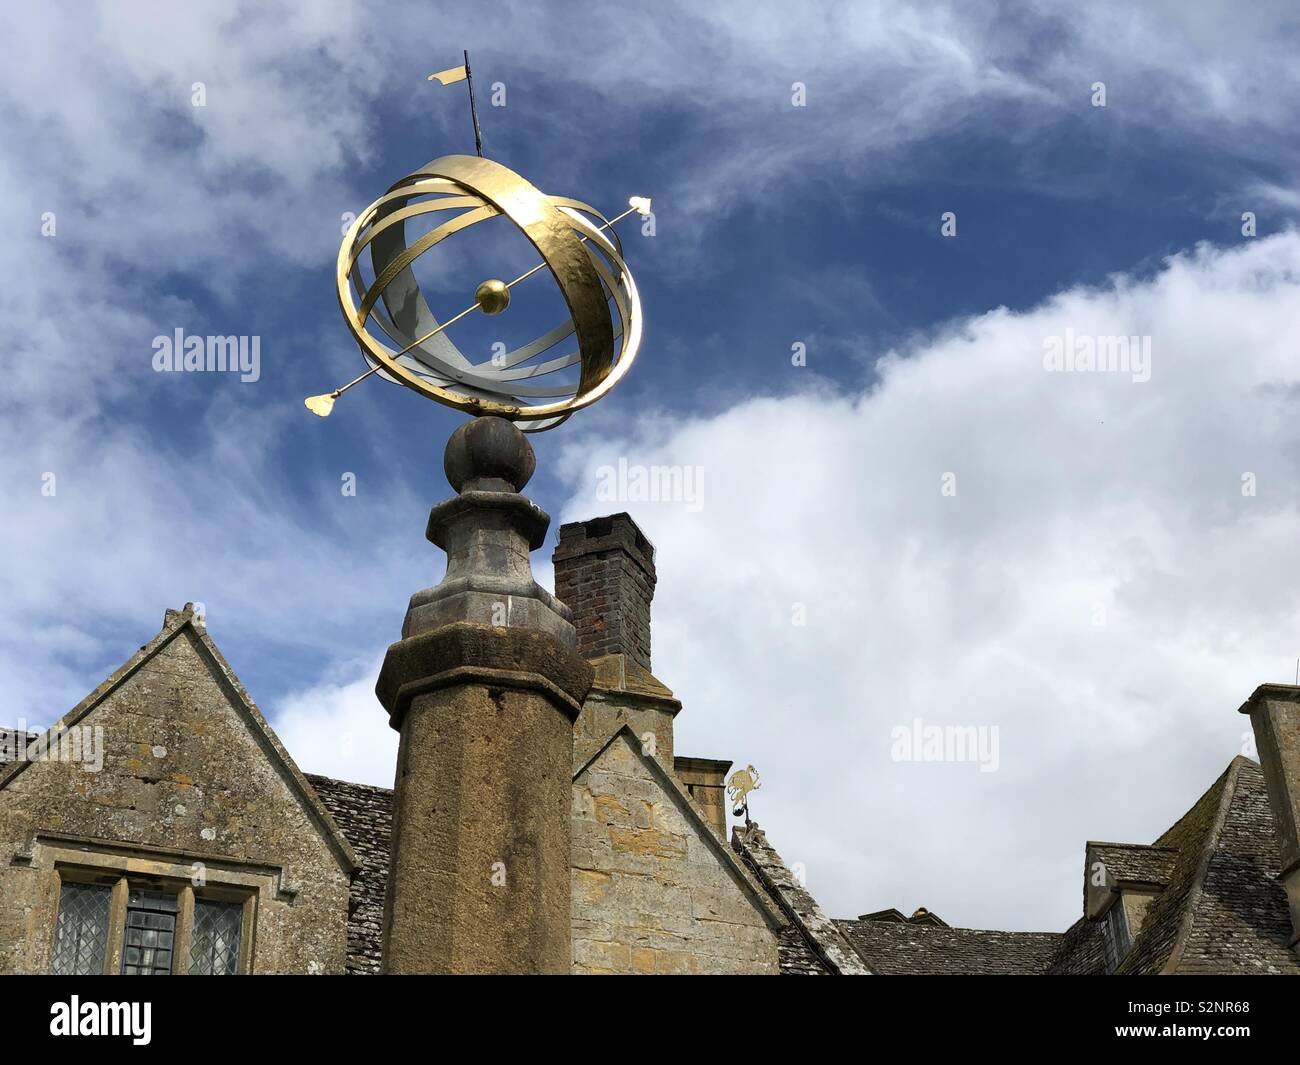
{"points": [[338, 729], [1099, 588], [1071, 490]]}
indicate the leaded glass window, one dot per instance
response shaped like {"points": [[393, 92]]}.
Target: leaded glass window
{"points": [[214, 942], [1115, 935], [150, 929], [81, 935]]}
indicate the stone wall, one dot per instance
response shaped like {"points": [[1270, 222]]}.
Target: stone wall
{"points": [[705, 780], [654, 889], [193, 789], [624, 693]]}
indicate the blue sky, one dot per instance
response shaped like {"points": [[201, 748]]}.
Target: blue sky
{"points": [[775, 225]]}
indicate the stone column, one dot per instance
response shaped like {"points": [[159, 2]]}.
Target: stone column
{"points": [[1274, 711], [484, 688]]}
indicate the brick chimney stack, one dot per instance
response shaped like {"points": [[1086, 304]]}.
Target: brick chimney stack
{"points": [[605, 574], [1274, 711]]}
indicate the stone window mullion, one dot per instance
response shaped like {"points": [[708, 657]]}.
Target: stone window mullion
{"points": [[247, 926], [116, 928], [184, 932]]}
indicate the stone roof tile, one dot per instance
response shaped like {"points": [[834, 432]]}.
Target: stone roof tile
{"points": [[1222, 909], [1238, 920], [1135, 862], [365, 814], [891, 948], [819, 948]]}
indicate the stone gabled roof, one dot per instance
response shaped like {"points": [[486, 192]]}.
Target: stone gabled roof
{"points": [[741, 872], [1235, 918], [920, 916], [886, 942], [917, 948], [1134, 863], [176, 623], [1080, 951], [1222, 909], [812, 945], [365, 814]]}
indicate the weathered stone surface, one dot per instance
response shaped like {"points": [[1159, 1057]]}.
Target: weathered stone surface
{"points": [[705, 780], [1274, 711], [484, 690], [488, 530], [820, 947], [192, 779], [625, 693], [465, 653], [365, 814], [654, 888], [488, 452], [479, 877]]}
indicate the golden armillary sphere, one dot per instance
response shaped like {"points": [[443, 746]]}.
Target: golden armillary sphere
{"points": [[401, 338]]}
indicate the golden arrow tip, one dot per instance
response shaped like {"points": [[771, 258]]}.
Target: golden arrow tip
{"points": [[641, 203], [320, 405]]}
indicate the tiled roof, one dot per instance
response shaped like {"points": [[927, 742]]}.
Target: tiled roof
{"points": [[1238, 920], [1134, 862], [1080, 952], [891, 948], [796, 955], [919, 916], [364, 813], [818, 948], [1222, 910]]}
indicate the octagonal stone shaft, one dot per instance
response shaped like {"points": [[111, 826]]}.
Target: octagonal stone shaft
{"points": [[484, 689]]}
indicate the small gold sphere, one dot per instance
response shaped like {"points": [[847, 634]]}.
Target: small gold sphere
{"points": [[492, 297]]}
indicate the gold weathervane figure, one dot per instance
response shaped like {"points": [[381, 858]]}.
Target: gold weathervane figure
{"points": [[742, 782], [401, 339]]}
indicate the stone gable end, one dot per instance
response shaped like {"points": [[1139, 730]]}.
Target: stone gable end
{"points": [[190, 783], [651, 894]]}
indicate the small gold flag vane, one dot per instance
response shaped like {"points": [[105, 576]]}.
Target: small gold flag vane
{"points": [[742, 782], [463, 73], [450, 76]]}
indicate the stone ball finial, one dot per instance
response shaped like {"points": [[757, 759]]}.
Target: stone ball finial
{"points": [[488, 454]]}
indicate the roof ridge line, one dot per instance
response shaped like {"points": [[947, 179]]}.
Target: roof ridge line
{"points": [[748, 884], [341, 845], [1197, 888], [840, 955], [1136, 846], [175, 623], [115, 679]]}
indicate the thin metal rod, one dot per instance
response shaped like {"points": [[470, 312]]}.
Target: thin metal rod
{"points": [[472, 307], [612, 221], [432, 333], [473, 111]]}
